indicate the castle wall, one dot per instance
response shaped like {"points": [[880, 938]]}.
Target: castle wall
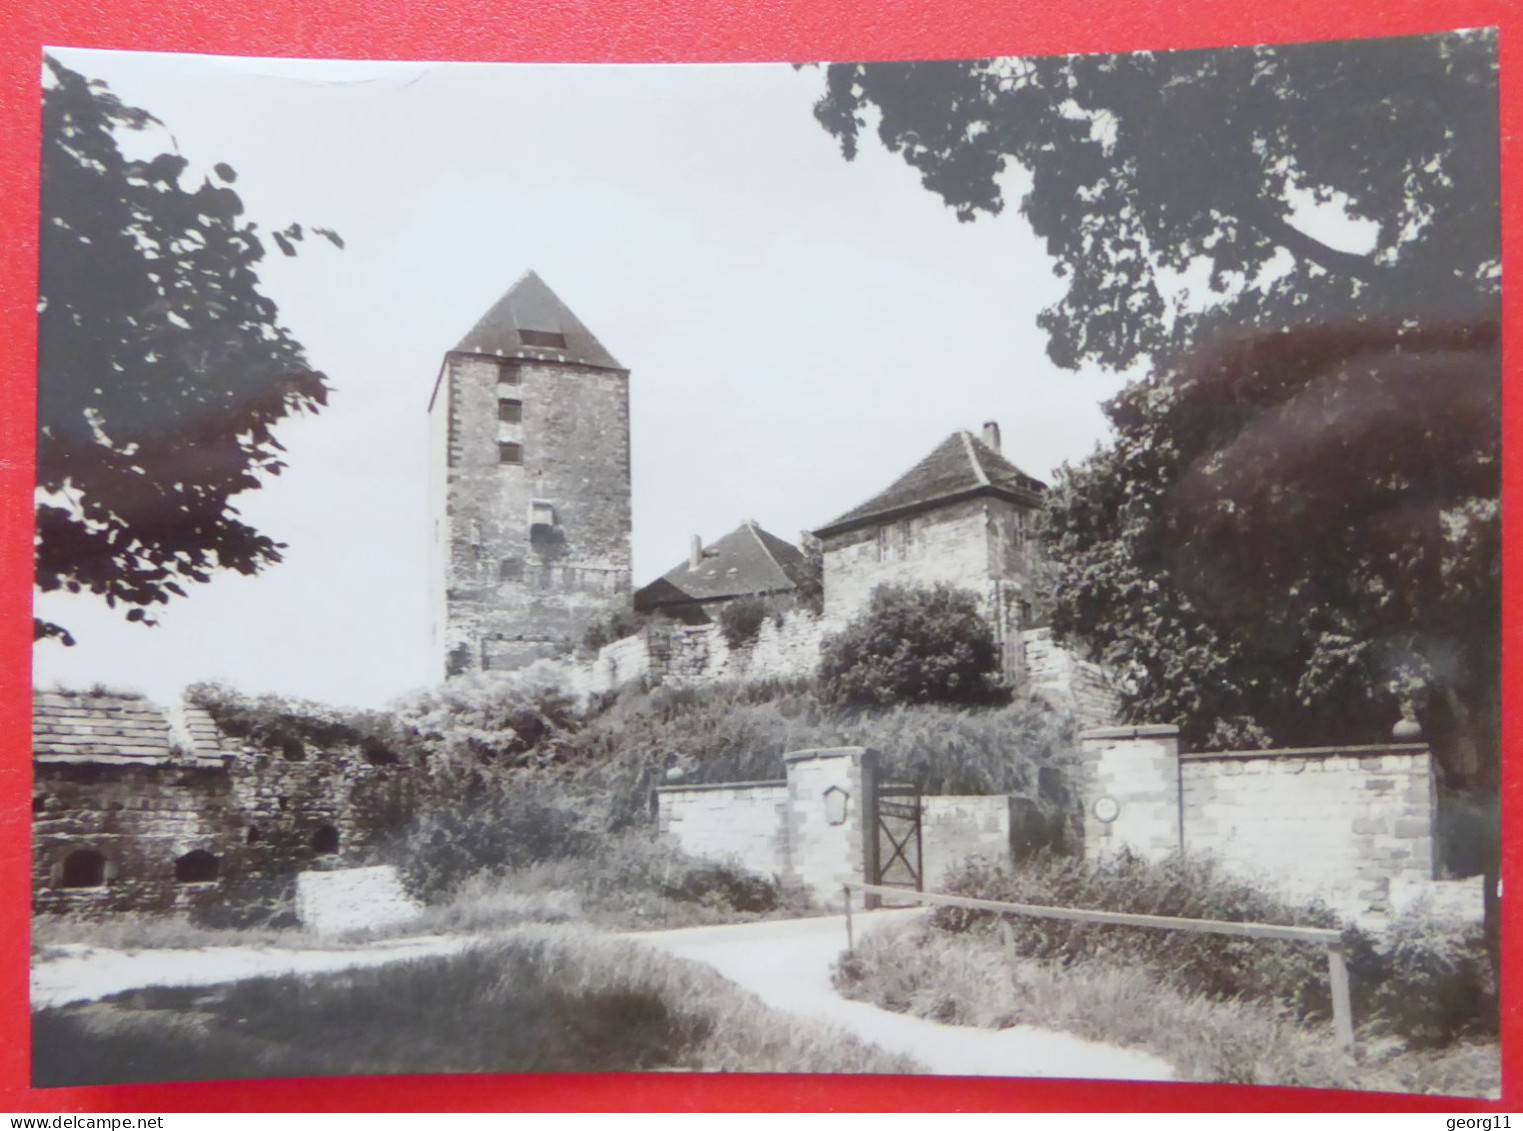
{"points": [[744, 822], [1340, 824], [537, 548]]}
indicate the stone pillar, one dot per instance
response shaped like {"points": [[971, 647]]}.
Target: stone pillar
{"points": [[829, 817], [1129, 787]]}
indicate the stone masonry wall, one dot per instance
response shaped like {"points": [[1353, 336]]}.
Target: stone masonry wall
{"points": [[1129, 789], [119, 778], [954, 830], [1339, 824], [745, 822], [1083, 689]]}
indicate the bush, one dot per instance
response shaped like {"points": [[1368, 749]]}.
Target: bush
{"points": [[740, 620], [1434, 983], [740, 732], [492, 833], [913, 645], [289, 726], [615, 624], [1423, 981], [488, 722]]}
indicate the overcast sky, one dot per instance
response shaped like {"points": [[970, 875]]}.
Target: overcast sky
{"points": [[799, 330]]}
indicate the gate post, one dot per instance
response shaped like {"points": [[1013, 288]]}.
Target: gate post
{"points": [[829, 817]]}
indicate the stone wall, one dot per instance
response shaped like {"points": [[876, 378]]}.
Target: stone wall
{"points": [[1341, 824], [1082, 689], [1348, 825], [534, 550], [353, 899], [954, 830], [745, 822], [122, 779], [678, 654], [818, 823]]}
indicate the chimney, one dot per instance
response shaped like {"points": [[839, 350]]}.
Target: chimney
{"points": [[991, 434], [695, 553]]}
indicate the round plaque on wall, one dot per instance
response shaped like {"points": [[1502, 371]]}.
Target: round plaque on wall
{"points": [[1107, 809]]}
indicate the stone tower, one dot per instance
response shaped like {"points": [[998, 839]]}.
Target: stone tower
{"points": [[530, 498]]}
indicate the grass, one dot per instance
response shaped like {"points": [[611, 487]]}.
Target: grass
{"points": [[537, 999], [130, 931], [969, 979]]}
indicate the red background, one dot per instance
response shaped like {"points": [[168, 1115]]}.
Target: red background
{"points": [[606, 31]]}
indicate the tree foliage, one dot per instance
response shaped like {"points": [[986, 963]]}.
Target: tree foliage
{"points": [[162, 368], [1166, 185], [913, 645], [1295, 535]]}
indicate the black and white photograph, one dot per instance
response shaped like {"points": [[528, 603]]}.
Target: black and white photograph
{"points": [[976, 567]]}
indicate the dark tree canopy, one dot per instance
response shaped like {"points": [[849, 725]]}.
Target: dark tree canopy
{"points": [[1148, 165], [162, 368], [1297, 536]]}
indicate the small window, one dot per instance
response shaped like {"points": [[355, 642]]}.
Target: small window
{"points": [[510, 569], [541, 513], [1025, 614], [254, 835], [85, 868], [510, 410], [507, 373], [39, 802], [325, 841], [542, 339], [508, 452], [198, 867]]}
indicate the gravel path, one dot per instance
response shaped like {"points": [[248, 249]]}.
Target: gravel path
{"points": [[787, 964]]}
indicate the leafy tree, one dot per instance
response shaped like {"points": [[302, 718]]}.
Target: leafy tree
{"points": [[162, 368], [1156, 171], [913, 645]]}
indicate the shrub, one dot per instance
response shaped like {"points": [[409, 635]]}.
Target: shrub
{"points": [[1434, 982], [1216, 966], [740, 620], [491, 833], [1424, 981], [486, 722], [616, 623], [288, 726], [740, 732], [913, 645]]}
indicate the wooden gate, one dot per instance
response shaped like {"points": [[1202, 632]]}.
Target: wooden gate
{"points": [[896, 836]]}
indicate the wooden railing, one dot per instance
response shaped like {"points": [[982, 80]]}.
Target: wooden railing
{"points": [[1331, 940]]}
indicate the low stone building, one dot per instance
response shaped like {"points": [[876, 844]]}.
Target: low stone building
{"points": [[747, 562], [139, 808], [963, 515]]}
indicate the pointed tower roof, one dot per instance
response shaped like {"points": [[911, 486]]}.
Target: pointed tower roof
{"points": [[959, 467], [745, 561], [530, 321]]}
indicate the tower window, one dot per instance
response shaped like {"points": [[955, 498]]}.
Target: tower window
{"points": [[542, 339], [510, 410], [508, 452], [511, 569], [507, 373]]}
